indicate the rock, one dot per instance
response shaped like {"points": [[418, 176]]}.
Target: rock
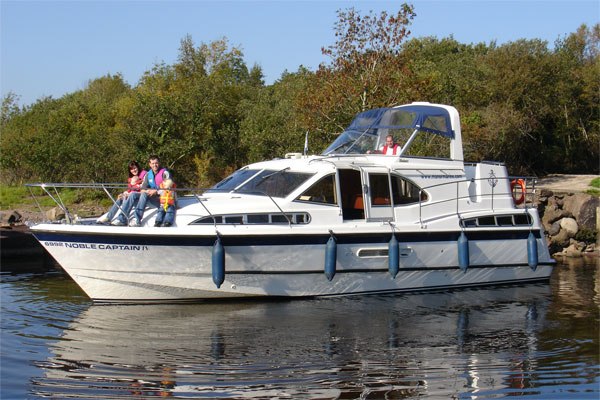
{"points": [[560, 240], [588, 213], [546, 193], [577, 245], [554, 229], [570, 226], [572, 251], [10, 217], [584, 208], [55, 214], [590, 248], [553, 214]]}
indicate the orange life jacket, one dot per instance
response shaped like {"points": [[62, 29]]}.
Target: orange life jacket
{"points": [[167, 198]]}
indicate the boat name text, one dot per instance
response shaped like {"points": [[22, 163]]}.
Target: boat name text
{"points": [[97, 246]]}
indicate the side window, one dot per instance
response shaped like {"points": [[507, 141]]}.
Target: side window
{"points": [[406, 192], [379, 189], [321, 192]]}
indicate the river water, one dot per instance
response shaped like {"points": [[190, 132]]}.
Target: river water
{"points": [[538, 340]]}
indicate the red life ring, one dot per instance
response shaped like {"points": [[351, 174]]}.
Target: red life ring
{"points": [[518, 200]]}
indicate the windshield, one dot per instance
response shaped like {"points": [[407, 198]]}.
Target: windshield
{"points": [[352, 142], [236, 179], [274, 183]]}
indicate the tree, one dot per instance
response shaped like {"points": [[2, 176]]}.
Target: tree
{"points": [[368, 49], [367, 71], [270, 126], [10, 107]]}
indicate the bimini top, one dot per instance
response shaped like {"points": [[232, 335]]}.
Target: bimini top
{"points": [[369, 129]]}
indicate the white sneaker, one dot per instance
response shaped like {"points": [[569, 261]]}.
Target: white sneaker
{"points": [[102, 220], [117, 222], [134, 222]]}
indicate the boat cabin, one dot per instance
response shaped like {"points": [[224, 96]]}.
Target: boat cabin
{"points": [[371, 186]]}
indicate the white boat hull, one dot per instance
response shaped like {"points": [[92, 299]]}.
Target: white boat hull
{"points": [[125, 270]]}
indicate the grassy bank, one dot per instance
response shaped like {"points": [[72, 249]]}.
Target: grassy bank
{"points": [[594, 183]]}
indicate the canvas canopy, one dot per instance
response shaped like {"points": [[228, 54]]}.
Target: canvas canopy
{"points": [[370, 127]]}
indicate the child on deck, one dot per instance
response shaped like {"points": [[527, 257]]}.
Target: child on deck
{"points": [[168, 203]]}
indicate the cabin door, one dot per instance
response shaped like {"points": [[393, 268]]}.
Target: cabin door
{"points": [[378, 200]]}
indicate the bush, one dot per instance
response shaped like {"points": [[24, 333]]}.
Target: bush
{"points": [[587, 235]]}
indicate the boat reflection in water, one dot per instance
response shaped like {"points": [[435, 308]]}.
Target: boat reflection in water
{"points": [[472, 342]]}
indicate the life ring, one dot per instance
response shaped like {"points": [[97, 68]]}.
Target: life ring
{"points": [[518, 199]]}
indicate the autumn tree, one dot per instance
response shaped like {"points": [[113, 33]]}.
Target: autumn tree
{"points": [[366, 71]]}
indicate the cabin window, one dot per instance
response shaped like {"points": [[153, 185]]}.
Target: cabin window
{"points": [[497, 220], [406, 192], [268, 218], [321, 192], [379, 187], [274, 183]]}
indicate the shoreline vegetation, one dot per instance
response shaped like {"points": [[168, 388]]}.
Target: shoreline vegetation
{"points": [[529, 104]]}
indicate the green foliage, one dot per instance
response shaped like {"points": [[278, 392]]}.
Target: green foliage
{"points": [[595, 182], [270, 126], [587, 235], [533, 107]]}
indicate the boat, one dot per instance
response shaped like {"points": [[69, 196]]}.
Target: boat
{"points": [[348, 221]]}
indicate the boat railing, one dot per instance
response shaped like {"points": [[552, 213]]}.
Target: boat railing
{"points": [[52, 190], [521, 190]]}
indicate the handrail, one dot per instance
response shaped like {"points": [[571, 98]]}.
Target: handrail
{"points": [[121, 186], [529, 192]]}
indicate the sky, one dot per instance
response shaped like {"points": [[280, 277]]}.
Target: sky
{"points": [[51, 48]]}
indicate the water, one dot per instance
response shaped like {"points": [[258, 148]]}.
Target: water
{"points": [[538, 340]]}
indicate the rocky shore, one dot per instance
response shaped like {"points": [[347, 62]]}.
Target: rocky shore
{"points": [[570, 222]]}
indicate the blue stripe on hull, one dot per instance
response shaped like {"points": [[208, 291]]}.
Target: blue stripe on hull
{"points": [[276, 240]]}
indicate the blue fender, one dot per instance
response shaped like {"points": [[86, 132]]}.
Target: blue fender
{"points": [[330, 257], [532, 254], [463, 252], [218, 263], [393, 256]]}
